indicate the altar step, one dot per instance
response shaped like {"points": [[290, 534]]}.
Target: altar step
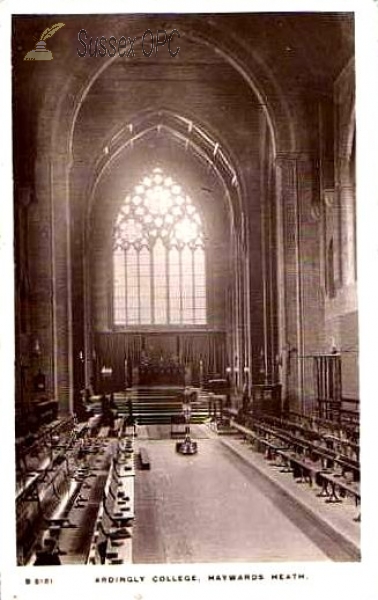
{"points": [[157, 405], [160, 408]]}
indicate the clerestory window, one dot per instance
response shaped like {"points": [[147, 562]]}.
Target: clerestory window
{"points": [[159, 271]]}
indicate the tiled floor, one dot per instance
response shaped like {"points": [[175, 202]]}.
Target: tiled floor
{"points": [[220, 506]]}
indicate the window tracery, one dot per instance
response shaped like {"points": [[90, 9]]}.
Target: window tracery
{"points": [[158, 257]]}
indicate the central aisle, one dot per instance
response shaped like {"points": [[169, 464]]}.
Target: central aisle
{"points": [[211, 507]]}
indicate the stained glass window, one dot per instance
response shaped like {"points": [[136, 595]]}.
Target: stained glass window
{"points": [[159, 271]]}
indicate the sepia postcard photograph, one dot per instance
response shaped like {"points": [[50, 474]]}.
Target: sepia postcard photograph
{"points": [[187, 236]]}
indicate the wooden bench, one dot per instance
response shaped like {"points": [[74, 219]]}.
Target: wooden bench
{"points": [[61, 516], [272, 447], [112, 541], [304, 469], [248, 434], [121, 497], [337, 482], [311, 456], [118, 544], [144, 459], [123, 459], [302, 445], [112, 537], [29, 491], [264, 439]]}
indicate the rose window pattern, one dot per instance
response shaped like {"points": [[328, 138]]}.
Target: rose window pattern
{"points": [[159, 271]]}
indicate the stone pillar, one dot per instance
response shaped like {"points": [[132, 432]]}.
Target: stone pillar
{"points": [[50, 260], [346, 201], [62, 292], [302, 298], [344, 102], [248, 350], [237, 357], [41, 279], [287, 181]]}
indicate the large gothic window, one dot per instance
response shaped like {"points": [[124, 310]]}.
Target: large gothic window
{"points": [[158, 257]]}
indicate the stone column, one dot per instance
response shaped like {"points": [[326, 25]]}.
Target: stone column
{"points": [[51, 267], [302, 299], [289, 266], [62, 292], [346, 202], [41, 278]]}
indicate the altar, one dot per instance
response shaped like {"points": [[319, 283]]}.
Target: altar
{"points": [[161, 373]]}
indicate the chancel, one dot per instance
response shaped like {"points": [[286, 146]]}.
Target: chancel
{"points": [[186, 292]]}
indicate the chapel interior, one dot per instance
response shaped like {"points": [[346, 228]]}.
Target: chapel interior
{"points": [[186, 331]]}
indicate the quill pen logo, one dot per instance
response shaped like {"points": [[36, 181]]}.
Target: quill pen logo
{"points": [[40, 51]]}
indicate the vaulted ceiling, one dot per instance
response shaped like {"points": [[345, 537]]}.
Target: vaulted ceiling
{"points": [[208, 103]]}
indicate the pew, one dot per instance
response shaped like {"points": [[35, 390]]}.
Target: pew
{"points": [[325, 456], [61, 516], [29, 489], [112, 536]]}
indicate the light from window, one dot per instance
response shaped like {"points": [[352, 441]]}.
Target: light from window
{"points": [[159, 274]]}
